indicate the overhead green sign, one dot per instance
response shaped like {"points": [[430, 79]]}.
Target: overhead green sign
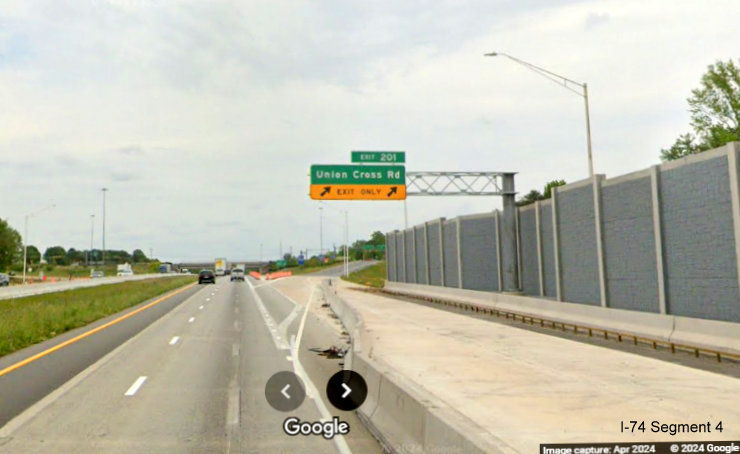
{"points": [[358, 174], [369, 247], [381, 247], [281, 263], [379, 157]]}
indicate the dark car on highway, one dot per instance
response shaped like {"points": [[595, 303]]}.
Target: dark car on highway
{"points": [[4, 280], [206, 276]]}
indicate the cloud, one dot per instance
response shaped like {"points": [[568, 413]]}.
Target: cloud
{"points": [[129, 150], [594, 20], [203, 117]]}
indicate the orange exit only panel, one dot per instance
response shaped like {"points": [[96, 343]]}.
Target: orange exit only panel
{"points": [[358, 192]]}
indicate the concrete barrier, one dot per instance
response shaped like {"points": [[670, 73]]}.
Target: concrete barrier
{"points": [[400, 414], [710, 335]]}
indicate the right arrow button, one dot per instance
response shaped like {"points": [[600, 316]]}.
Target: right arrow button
{"points": [[346, 390]]}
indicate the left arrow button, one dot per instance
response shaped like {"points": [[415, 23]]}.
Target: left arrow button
{"points": [[285, 391]]}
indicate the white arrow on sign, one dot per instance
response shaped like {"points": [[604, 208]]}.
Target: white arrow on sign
{"points": [[284, 393], [347, 390]]}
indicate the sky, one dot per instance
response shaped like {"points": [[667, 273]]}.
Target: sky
{"points": [[203, 117]]}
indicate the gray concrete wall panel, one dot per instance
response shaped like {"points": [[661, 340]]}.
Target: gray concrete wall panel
{"points": [[410, 257], [450, 251], [698, 239], [530, 277], [434, 258], [390, 241], [629, 245], [421, 255], [478, 243], [548, 251], [578, 254]]}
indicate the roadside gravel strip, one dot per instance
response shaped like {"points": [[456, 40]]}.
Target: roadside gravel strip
{"points": [[18, 291]]}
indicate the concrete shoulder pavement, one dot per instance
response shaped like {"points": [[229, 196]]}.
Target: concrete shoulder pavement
{"points": [[520, 388]]}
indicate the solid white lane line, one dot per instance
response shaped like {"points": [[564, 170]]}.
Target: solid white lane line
{"points": [[135, 387], [191, 319], [174, 340]]}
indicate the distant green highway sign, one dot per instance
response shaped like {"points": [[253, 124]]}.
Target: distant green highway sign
{"points": [[379, 157], [369, 247], [358, 174]]}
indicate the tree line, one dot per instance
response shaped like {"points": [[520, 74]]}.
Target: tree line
{"points": [[11, 252]]}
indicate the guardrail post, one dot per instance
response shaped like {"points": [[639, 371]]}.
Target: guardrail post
{"points": [[556, 243], [658, 237]]}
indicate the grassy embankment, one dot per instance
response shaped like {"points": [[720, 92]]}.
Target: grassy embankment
{"points": [[32, 319], [312, 268], [372, 276]]}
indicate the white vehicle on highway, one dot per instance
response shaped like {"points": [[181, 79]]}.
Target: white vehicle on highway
{"points": [[4, 280], [237, 274], [124, 270]]}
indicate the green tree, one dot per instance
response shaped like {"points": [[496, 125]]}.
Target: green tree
{"points": [[377, 238], [530, 197], [55, 255], [715, 112], [11, 246], [139, 257], [33, 255], [73, 255], [547, 193]]}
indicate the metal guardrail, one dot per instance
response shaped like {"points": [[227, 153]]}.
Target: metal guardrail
{"points": [[565, 327]]}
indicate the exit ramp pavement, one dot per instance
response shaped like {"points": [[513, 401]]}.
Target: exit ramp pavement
{"points": [[440, 380]]}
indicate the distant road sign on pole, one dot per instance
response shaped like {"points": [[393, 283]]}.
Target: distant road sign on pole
{"points": [[358, 182], [379, 157]]}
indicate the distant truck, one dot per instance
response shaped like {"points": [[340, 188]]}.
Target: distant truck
{"points": [[220, 268], [124, 270], [165, 268]]}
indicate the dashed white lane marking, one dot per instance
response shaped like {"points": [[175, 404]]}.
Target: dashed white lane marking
{"points": [[234, 349], [174, 340], [201, 308], [135, 387], [191, 319], [208, 299]]}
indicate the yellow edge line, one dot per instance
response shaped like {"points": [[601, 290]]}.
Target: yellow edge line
{"points": [[79, 337]]}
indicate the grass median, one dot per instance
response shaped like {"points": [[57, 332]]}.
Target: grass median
{"points": [[32, 319], [372, 276]]}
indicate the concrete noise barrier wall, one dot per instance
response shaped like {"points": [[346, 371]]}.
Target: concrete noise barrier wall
{"points": [[663, 240]]}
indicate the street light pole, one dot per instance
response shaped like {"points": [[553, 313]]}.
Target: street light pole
{"points": [[92, 230], [104, 191], [564, 81], [25, 237]]}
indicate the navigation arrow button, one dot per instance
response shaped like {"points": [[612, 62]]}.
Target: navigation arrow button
{"points": [[284, 393], [347, 390]]}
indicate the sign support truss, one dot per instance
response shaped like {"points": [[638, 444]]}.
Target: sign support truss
{"points": [[458, 183]]}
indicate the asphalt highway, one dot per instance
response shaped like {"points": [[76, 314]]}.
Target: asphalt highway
{"points": [[191, 380]]}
